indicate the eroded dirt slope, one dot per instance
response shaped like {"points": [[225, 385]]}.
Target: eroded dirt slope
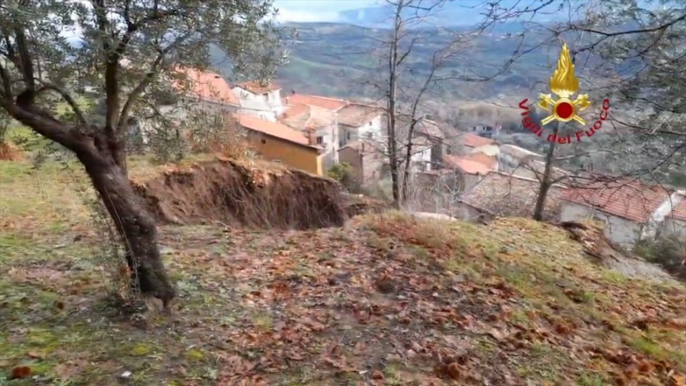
{"points": [[236, 193]]}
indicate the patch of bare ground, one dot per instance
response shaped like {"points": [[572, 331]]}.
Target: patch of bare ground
{"points": [[388, 299]]}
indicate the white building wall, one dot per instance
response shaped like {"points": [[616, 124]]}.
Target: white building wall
{"points": [[270, 100], [673, 227], [622, 231]]}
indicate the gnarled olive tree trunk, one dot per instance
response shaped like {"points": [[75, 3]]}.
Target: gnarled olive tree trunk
{"points": [[134, 223]]}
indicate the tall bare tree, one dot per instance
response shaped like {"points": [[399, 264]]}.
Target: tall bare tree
{"points": [[403, 91], [123, 48], [636, 51]]}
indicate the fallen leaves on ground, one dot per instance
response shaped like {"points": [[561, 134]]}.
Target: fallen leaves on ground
{"points": [[386, 300]]}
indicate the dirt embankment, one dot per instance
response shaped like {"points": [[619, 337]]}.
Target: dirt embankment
{"points": [[246, 195]]}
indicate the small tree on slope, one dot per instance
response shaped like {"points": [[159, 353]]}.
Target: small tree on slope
{"points": [[124, 47]]}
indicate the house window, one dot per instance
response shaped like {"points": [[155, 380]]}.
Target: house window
{"points": [[263, 141], [320, 140], [347, 135], [370, 135]]}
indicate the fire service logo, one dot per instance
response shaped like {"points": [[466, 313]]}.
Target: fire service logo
{"points": [[564, 84]]}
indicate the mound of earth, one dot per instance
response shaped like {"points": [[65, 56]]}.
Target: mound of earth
{"points": [[259, 195]]}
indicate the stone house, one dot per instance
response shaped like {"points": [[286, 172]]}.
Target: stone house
{"points": [[366, 159], [277, 142], [507, 195], [486, 131], [631, 211], [471, 171], [510, 157]]}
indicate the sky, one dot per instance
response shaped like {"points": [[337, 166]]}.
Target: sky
{"points": [[317, 10]]}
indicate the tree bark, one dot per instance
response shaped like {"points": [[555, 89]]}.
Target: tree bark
{"points": [[546, 180], [135, 226]]}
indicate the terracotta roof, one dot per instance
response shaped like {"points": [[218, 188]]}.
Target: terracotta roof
{"points": [[538, 167], [507, 195], [488, 161], [256, 88], [303, 117], [208, 85], [473, 140], [679, 212], [423, 126], [466, 165], [518, 152], [295, 110], [314, 100], [357, 115], [629, 200], [319, 118], [429, 127], [275, 129]]}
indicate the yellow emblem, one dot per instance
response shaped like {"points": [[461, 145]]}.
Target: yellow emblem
{"points": [[564, 84]]}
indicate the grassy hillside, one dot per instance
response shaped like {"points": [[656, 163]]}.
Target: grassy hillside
{"points": [[388, 299]]}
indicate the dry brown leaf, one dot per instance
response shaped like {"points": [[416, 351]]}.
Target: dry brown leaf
{"points": [[20, 372]]}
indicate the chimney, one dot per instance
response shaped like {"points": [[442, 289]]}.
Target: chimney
{"points": [[286, 101], [311, 137], [292, 91]]}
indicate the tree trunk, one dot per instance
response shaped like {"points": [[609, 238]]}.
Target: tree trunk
{"points": [[135, 226], [546, 181]]}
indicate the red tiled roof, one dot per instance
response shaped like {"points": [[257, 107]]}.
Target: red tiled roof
{"points": [[679, 212], [466, 165], [488, 161], [295, 110], [257, 88], [275, 129], [319, 101], [509, 195], [473, 140], [208, 85], [356, 114], [629, 200]]}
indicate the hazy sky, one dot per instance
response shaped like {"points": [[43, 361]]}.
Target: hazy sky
{"points": [[317, 10]]}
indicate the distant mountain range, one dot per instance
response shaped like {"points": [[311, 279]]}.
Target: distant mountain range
{"points": [[451, 13], [337, 59]]}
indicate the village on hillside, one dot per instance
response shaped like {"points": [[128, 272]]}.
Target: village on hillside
{"points": [[313, 133]]}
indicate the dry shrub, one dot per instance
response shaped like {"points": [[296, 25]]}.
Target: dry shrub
{"points": [[428, 233], [10, 152], [669, 252], [226, 138]]}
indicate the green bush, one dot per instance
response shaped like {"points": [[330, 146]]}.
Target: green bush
{"points": [[669, 252], [344, 173]]}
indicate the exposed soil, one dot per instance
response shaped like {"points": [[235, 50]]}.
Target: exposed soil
{"points": [[10, 152], [245, 195]]}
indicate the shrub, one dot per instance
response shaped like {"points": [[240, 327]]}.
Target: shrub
{"points": [[669, 252], [344, 173]]}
